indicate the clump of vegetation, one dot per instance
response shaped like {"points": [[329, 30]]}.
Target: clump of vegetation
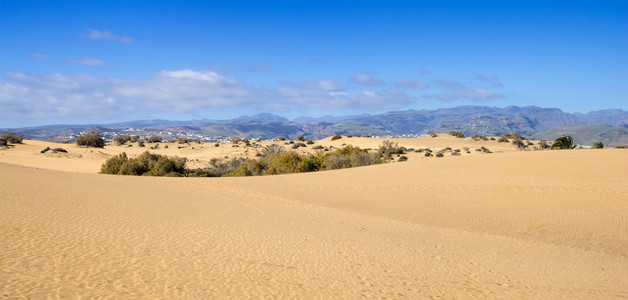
{"points": [[55, 150], [317, 147], [146, 164], [563, 142], [457, 134], [11, 138], [598, 145], [91, 139], [301, 138], [428, 154], [479, 137], [433, 134], [439, 154], [282, 138], [336, 137], [121, 140], [621, 147], [518, 141], [388, 148], [309, 142], [153, 139], [3, 143], [403, 158], [182, 141]]}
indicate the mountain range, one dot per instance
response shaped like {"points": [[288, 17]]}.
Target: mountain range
{"points": [[483, 120]]}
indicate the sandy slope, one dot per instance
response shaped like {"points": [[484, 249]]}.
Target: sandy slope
{"points": [[547, 224]]}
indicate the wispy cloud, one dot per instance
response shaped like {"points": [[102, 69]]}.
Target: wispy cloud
{"points": [[48, 96], [492, 80], [371, 100], [366, 79], [40, 56], [455, 90], [86, 96], [424, 71], [413, 84], [94, 34], [316, 59], [92, 62]]}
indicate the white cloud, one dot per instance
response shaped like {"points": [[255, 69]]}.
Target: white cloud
{"points": [[324, 85], [94, 34], [81, 96], [492, 80], [366, 79], [424, 71], [92, 62], [479, 95], [454, 90], [40, 56], [371, 100], [414, 84], [85, 96]]}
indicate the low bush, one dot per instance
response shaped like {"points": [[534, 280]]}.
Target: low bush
{"points": [[282, 138], [309, 142], [433, 134], [598, 145], [457, 134], [146, 164], [121, 140], [154, 139], [317, 147], [563, 142], [403, 158], [336, 137], [11, 138], [439, 154], [91, 139], [479, 137]]}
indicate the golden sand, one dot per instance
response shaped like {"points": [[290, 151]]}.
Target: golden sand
{"points": [[515, 224]]}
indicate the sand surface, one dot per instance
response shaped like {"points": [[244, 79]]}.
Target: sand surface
{"points": [[533, 224]]}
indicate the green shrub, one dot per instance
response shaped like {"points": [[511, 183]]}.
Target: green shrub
{"points": [[91, 139], [183, 141], [621, 147], [563, 142], [11, 138], [598, 145], [154, 139], [433, 135], [479, 137], [403, 158], [439, 154], [317, 147], [121, 140], [146, 164], [336, 137], [301, 138], [428, 154], [388, 148], [517, 141], [239, 172], [309, 142], [282, 138], [3, 143], [457, 134]]}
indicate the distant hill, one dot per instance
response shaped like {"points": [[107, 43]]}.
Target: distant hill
{"points": [[484, 120], [588, 134]]}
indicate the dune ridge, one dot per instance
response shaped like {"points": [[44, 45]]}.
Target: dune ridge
{"points": [[547, 224]]}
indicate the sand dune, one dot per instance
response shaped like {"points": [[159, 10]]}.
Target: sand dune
{"points": [[546, 224]]}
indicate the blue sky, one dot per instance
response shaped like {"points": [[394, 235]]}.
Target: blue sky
{"points": [[105, 61]]}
